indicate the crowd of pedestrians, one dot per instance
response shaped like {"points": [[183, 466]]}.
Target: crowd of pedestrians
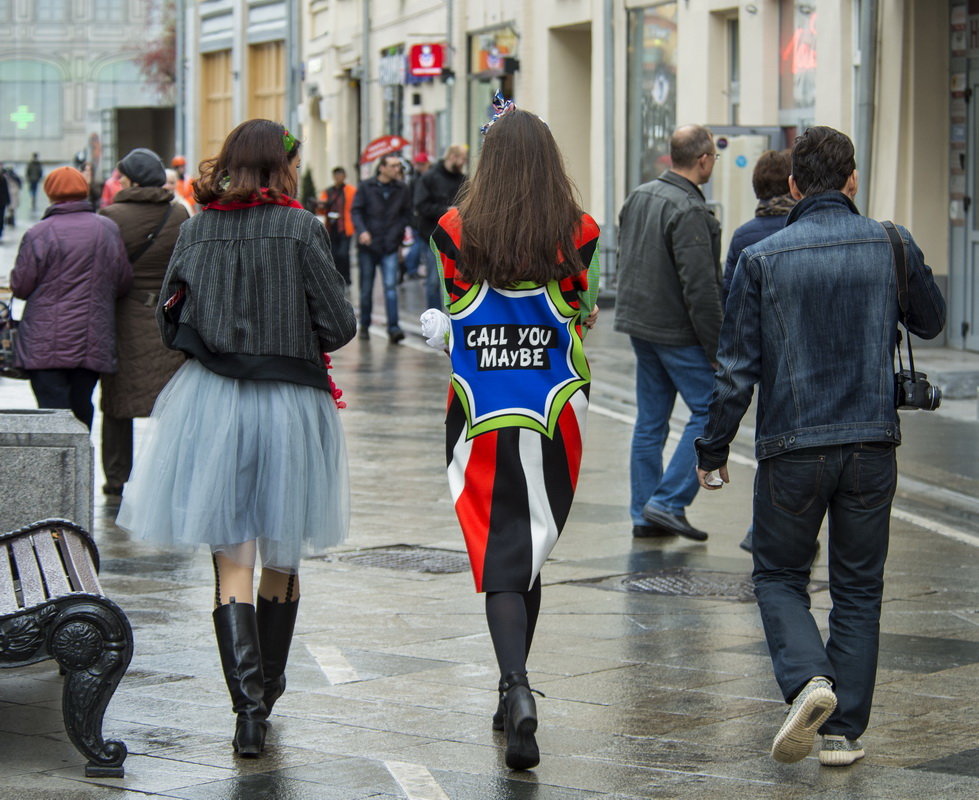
{"points": [[212, 305]]}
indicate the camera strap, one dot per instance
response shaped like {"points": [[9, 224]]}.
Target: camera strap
{"points": [[901, 270]]}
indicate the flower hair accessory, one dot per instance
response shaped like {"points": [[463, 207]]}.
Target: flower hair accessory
{"points": [[288, 141], [501, 107]]}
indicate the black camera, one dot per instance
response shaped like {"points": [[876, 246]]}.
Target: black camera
{"points": [[912, 391]]}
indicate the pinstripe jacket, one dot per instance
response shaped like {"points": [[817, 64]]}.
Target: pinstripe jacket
{"points": [[262, 300]]}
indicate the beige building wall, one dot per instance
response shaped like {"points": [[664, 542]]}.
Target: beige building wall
{"points": [[909, 181], [562, 77]]}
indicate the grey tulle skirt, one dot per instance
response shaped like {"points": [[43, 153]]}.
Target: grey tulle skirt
{"points": [[225, 462]]}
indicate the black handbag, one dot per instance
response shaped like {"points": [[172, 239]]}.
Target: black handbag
{"points": [[8, 333]]}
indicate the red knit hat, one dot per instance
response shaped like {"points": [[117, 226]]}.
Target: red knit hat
{"points": [[64, 184]]}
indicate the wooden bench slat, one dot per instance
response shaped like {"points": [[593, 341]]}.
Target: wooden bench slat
{"points": [[79, 563], [54, 571], [8, 598], [31, 585]]}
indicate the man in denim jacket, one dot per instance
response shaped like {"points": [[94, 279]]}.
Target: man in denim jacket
{"points": [[812, 319]]}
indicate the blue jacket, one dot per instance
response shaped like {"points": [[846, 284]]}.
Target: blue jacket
{"points": [[812, 319], [753, 231]]}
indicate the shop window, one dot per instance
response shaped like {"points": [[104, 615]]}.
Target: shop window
{"points": [[120, 85], [391, 75], [110, 10], [52, 10], [493, 61], [651, 88], [798, 57], [31, 96]]}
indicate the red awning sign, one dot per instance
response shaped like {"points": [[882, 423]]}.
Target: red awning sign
{"points": [[381, 147], [426, 60]]}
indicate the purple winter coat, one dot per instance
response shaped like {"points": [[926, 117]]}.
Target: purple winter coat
{"points": [[70, 269]]}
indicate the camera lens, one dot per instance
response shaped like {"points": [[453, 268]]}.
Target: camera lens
{"points": [[934, 398]]}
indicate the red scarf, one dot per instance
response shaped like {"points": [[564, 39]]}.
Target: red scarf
{"points": [[284, 200]]}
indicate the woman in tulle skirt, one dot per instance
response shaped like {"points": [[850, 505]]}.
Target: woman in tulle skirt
{"points": [[244, 450]]}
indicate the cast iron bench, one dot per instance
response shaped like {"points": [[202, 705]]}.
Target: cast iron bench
{"points": [[52, 606]]}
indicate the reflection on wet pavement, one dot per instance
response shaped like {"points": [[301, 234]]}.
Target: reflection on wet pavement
{"points": [[391, 678]]}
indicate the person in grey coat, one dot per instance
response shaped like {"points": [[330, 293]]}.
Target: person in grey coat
{"points": [[669, 303], [70, 269], [149, 221]]}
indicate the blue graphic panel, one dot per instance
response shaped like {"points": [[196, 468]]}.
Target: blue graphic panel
{"points": [[511, 353]]}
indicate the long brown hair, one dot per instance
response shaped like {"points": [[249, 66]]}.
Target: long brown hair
{"points": [[252, 158], [518, 211]]}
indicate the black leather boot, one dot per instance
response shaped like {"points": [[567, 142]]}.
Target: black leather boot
{"points": [[500, 714], [237, 634], [520, 723], [276, 622]]}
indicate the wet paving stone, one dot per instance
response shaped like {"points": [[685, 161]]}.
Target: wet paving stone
{"points": [[964, 763], [908, 653], [259, 787], [460, 786], [648, 696]]}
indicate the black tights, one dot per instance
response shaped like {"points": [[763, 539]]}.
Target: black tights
{"points": [[512, 618]]}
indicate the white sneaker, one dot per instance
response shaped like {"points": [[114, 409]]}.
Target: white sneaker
{"points": [[810, 709], [838, 751]]}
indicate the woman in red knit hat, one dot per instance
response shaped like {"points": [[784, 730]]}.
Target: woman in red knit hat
{"points": [[70, 269]]}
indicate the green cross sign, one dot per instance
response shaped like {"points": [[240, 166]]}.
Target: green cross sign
{"points": [[23, 117]]}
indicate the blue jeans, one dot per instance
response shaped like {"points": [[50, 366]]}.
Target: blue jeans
{"points": [[369, 262], [855, 484], [66, 388], [662, 371], [340, 244], [433, 282], [414, 253]]}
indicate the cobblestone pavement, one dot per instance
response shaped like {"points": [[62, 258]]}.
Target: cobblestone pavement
{"points": [[391, 678]]}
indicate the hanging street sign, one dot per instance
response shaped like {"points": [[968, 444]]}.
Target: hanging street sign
{"points": [[381, 147], [426, 60]]}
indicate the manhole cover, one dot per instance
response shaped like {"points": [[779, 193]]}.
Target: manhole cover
{"points": [[682, 582], [685, 582], [408, 558]]}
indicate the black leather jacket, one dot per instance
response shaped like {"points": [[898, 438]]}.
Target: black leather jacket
{"points": [[669, 288], [384, 211]]}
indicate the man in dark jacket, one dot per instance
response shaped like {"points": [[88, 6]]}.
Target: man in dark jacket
{"points": [[770, 180], [669, 302], [381, 211], [149, 222], [34, 174], [812, 319], [435, 193], [4, 200]]}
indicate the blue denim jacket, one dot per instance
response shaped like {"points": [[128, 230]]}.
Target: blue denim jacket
{"points": [[812, 319]]}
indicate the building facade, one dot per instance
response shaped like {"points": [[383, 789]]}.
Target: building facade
{"points": [[67, 72], [613, 78], [237, 60]]}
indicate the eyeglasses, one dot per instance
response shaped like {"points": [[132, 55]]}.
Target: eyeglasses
{"points": [[715, 156]]}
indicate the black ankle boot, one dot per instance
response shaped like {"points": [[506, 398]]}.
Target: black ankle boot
{"points": [[276, 622], [500, 714], [237, 633], [520, 722]]}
